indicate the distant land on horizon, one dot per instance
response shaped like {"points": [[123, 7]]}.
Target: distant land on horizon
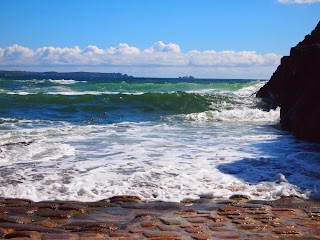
{"points": [[60, 75], [87, 75]]}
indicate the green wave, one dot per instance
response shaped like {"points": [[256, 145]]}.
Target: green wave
{"points": [[124, 87], [138, 86], [113, 100], [106, 107]]}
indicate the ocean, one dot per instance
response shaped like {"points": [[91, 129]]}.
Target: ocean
{"points": [[160, 139]]}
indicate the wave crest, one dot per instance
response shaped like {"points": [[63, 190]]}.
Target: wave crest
{"points": [[236, 115]]}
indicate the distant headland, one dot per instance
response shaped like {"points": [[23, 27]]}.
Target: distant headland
{"points": [[62, 75], [187, 77]]}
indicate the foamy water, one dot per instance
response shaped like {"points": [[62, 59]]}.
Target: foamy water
{"points": [[220, 151]]}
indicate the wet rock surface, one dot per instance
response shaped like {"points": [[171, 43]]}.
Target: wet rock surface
{"points": [[128, 217]]}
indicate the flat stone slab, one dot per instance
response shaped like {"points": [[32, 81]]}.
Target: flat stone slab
{"points": [[128, 217]]}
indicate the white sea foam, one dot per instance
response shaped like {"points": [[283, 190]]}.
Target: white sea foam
{"points": [[236, 115], [68, 92], [64, 81], [75, 93], [241, 109], [19, 93], [234, 149], [155, 161], [250, 90]]}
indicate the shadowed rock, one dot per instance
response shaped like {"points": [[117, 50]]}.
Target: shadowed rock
{"points": [[295, 87]]}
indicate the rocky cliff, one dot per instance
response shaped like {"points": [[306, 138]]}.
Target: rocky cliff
{"points": [[295, 87]]}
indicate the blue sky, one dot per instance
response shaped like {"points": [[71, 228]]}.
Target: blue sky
{"points": [[204, 38]]}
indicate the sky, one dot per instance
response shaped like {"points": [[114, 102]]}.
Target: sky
{"points": [[153, 38]]}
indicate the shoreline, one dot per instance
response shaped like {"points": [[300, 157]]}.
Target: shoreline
{"points": [[128, 217]]}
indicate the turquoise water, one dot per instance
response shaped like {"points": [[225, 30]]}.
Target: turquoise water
{"points": [[103, 101], [161, 139]]}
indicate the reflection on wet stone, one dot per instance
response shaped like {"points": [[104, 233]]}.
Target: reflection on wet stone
{"points": [[128, 217]]}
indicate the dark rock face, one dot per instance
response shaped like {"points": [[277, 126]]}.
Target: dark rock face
{"points": [[295, 87]]}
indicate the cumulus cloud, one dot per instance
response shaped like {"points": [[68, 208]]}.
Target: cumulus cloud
{"points": [[122, 49], [161, 47], [92, 50], [15, 52], [57, 56], [159, 55], [298, 1], [231, 59]]}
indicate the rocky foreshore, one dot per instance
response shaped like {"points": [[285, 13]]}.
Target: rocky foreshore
{"points": [[295, 88], [128, 217]]}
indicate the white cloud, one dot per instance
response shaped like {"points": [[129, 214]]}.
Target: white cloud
{"points": [[231, 59], [161, 47], [58, 56], [92, 50], [165, 58], [123, 49], [16, 52], [298, 1]]}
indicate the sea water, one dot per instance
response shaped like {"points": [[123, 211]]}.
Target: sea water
{"points": [[160, 139]]}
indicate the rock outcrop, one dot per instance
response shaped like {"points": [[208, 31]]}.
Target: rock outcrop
{"points": [[295, 87]]}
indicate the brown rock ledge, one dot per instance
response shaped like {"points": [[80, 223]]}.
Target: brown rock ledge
{"points": [[128, 217]]}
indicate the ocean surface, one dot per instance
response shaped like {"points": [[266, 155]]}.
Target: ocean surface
{"points": [[160, 139]]}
